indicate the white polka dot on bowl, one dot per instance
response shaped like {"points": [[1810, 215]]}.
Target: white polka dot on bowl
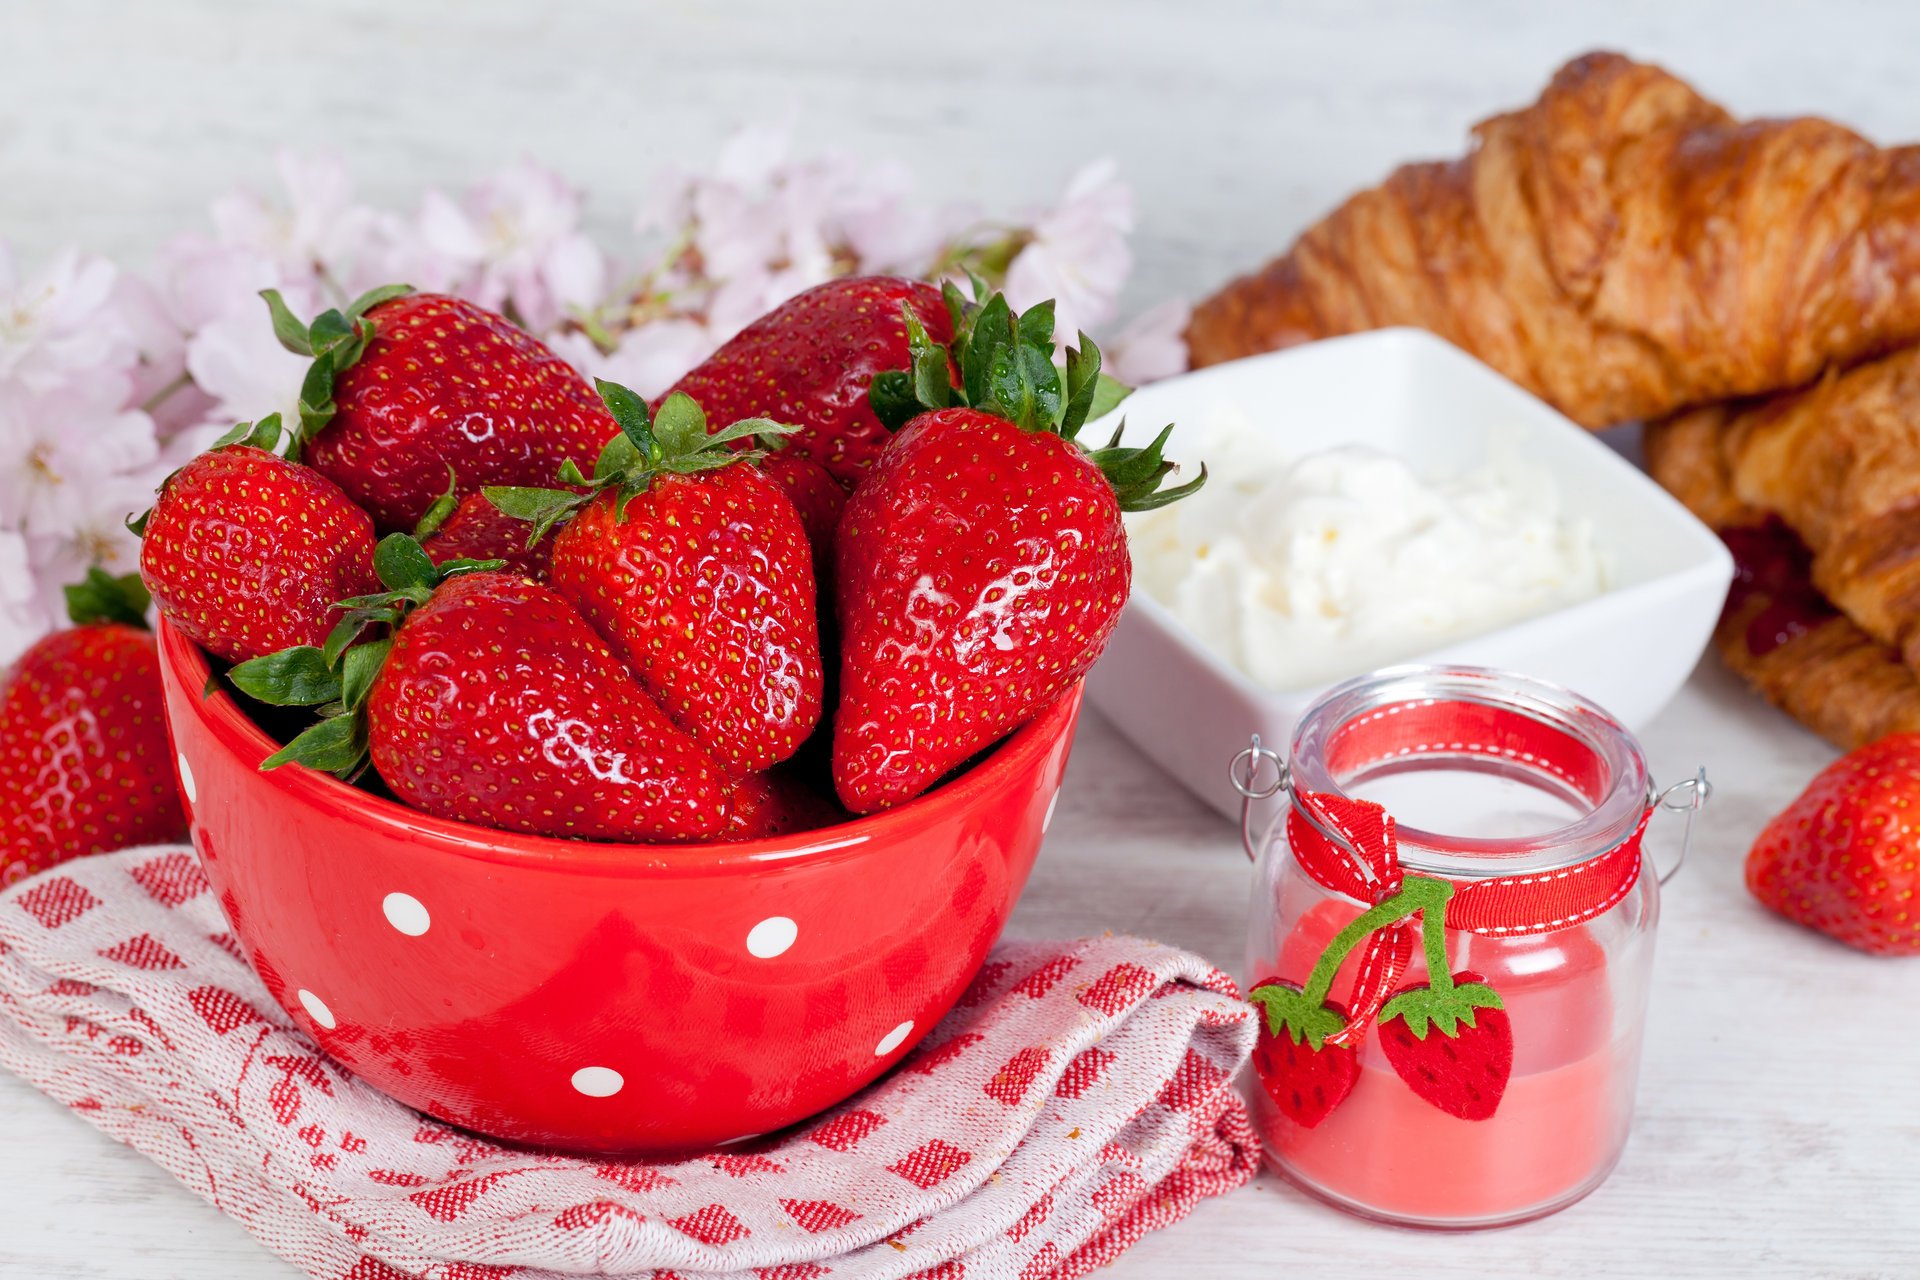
{"points": [[316, 1009], [406, 913], [598, 1082], [771, 937], [893, 1039]]}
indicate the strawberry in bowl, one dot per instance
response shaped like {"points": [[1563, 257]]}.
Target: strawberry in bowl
{"points": [[561, 861]]}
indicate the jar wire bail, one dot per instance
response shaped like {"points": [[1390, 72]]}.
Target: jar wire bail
{"points": [[1244, 772], [1688, 796]]}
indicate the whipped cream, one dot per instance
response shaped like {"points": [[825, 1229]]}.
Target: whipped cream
{"points": [[1301, 571]]}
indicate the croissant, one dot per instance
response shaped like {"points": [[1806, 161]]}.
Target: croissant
{"points": [[1778, 632], [1622, 247]]}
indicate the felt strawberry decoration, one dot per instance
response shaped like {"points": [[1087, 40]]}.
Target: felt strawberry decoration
{"points": [[406, 386], [246, 551], [84, 762], [811, 361], [696, 568], [982, 564], [1451, 1042], [1844, 857], [1304, 1075], [491, 702]]}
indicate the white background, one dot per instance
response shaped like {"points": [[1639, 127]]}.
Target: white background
{"points": [[1779, 1127]]}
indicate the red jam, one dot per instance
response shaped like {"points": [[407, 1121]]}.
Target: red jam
{"points": [[1770, 560]]}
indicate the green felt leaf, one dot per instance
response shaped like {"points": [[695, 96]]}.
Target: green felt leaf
{"points": [[297, 677], [287, 327], [1290, 1012], [402, 563], [336, 745], [1428, 1007], [358, 669], [102, 597]]}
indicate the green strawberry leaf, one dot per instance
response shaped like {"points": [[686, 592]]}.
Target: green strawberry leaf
{"points": [[620, 455], [1107, 395], [1034, 327], [543, 508], [374, 297], [330, 329], [286, 326], [348, 629], [678, 424], [298, 677], [892, 398], [629, 411], [1289, 1011], [402, 564], [102, 597], [764, 430], [443, 506], [361, 664], [336, 745]]}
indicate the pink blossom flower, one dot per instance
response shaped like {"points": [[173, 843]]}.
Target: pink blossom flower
{"points": [[57, 326], [515, 242], [319, 230], [22, 618], [241, 366], [1078, 255], [58, 447], [1152, 347], [649, 359]]}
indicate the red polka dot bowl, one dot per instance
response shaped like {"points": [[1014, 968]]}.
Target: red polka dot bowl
{"points": [[599, 997]]}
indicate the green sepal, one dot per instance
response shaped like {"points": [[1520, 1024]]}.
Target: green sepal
{"points": [[335, 339], [668, 439], [103, 597], [1289, 1011], [358, 669], [301, 676], [443, 506], [349, 629], [892, 399], [402, 564], [336, 745], [1448, 1009], [264, 434]]}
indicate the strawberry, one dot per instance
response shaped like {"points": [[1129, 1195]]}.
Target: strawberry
{"points": [[407, 386], [84, 761], [495, 703], [478, 530], [1304, 1075], [811, 360], [245, 552], [819, 499], [982, 564], [778, 803], [1452, 1043], [1844, 858], [695, 567]]}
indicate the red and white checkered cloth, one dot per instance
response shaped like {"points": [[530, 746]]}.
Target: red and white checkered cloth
{"points": [[1078, 1098]]}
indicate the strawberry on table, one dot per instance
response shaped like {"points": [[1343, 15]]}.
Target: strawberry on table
{"points": [[495, 703], [84, 761], [245, 552], [695, 567], [811, 360], [1844, 858], [405, 386], [982, 563]]}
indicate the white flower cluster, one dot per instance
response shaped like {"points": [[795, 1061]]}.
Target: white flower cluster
{"points": [[110, 379]]}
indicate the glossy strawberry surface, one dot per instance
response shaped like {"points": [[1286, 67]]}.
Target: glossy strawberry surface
{"points": [[1844, 858], [776, 803], [84, 762], [981, 568], [448, 384], [704, 583], [478, 530], [499, 705], [246, 552], [810, 362]]}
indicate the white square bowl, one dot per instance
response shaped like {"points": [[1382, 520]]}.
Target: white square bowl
{"points": [[1409, 393]]}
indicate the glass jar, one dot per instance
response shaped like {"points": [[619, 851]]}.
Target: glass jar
{"points": [[1451, 940]]}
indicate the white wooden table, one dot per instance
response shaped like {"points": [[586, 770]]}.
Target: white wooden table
{"points": [[1778, 1131]]}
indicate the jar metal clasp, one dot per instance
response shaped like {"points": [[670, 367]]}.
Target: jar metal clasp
{"points": [[1687, 796]]}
